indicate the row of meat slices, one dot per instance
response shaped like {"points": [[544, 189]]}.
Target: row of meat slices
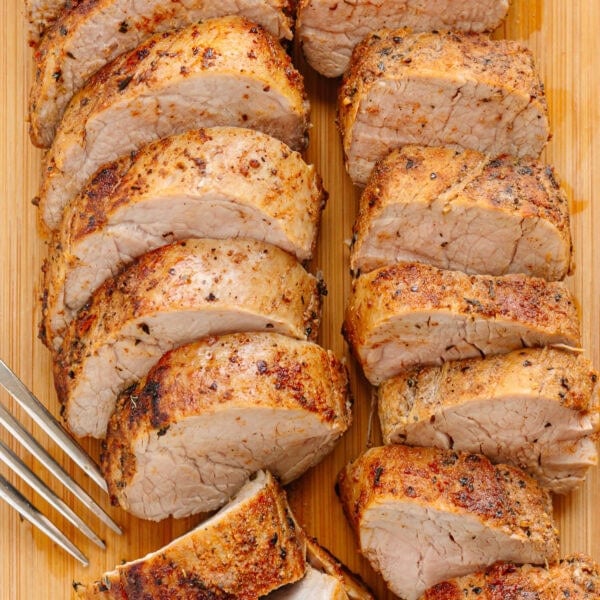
{"points": [[170, 297], [458, 253], [457, 312], [251, 548], [65, 60], [172, 83], [177, 308], [220, 182]]}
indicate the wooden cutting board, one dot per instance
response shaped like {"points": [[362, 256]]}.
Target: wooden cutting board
{"points": [[564, 37]]}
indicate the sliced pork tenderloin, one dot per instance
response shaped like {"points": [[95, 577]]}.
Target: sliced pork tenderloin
{"points": [[223, 72], [409, 314], [465, 211], [217, 182], [321, 559], [315, 585], [249, 548], [170, 297], [536, 409], [326, 579], [439, 89], [118, 26], [423, 515], [328, 30], [209, 414], [576, 577]]}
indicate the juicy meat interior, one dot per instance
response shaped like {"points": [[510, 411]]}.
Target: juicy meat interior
{"points": [[210, 413], [439, 89], [423, 515]]}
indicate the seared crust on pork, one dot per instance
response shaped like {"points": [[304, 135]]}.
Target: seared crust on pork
{"points": [[219, 182], [533, 408], [410, 313], [328, 30], [576, 577], [423, 515], [210, 413], [250, 548], [439, 89], [65, 58], [465, 211], [170, 297], [223, 72]]}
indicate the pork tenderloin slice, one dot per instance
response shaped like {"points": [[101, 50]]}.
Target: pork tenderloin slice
{"points": [[217, 182], [326, 579], [423, 515], [439, 89], [170, 297], [118, 26], [209, 414], [410, 313], [577, 576], [329, 30], [536, 409], [465, 211], [315, 585], [249, 548], [224, 72], [321, 559]]}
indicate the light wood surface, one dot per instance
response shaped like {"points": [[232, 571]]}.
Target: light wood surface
{"points": [[564, 37]]}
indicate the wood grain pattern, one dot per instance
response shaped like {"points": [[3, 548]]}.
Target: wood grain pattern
{"points": [[563, 36]]}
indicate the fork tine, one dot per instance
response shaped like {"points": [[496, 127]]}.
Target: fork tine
{"points": [[13, 462], [28, 442], [13, 497], [38, 412]]}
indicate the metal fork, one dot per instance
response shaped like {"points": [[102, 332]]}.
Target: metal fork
{"points": [[40, 415]]}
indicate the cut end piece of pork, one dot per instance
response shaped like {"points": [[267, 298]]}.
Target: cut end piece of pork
{"points": [[315, 585], [439, 89], [464, 211], [169, 297], [576, 576], [210, 413], [65, 59], [219, 182], [328, 30], [424, 515], [248, 549], [409, 314], [536, 409], [223, 72], [321, 559], [326, 579]]}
